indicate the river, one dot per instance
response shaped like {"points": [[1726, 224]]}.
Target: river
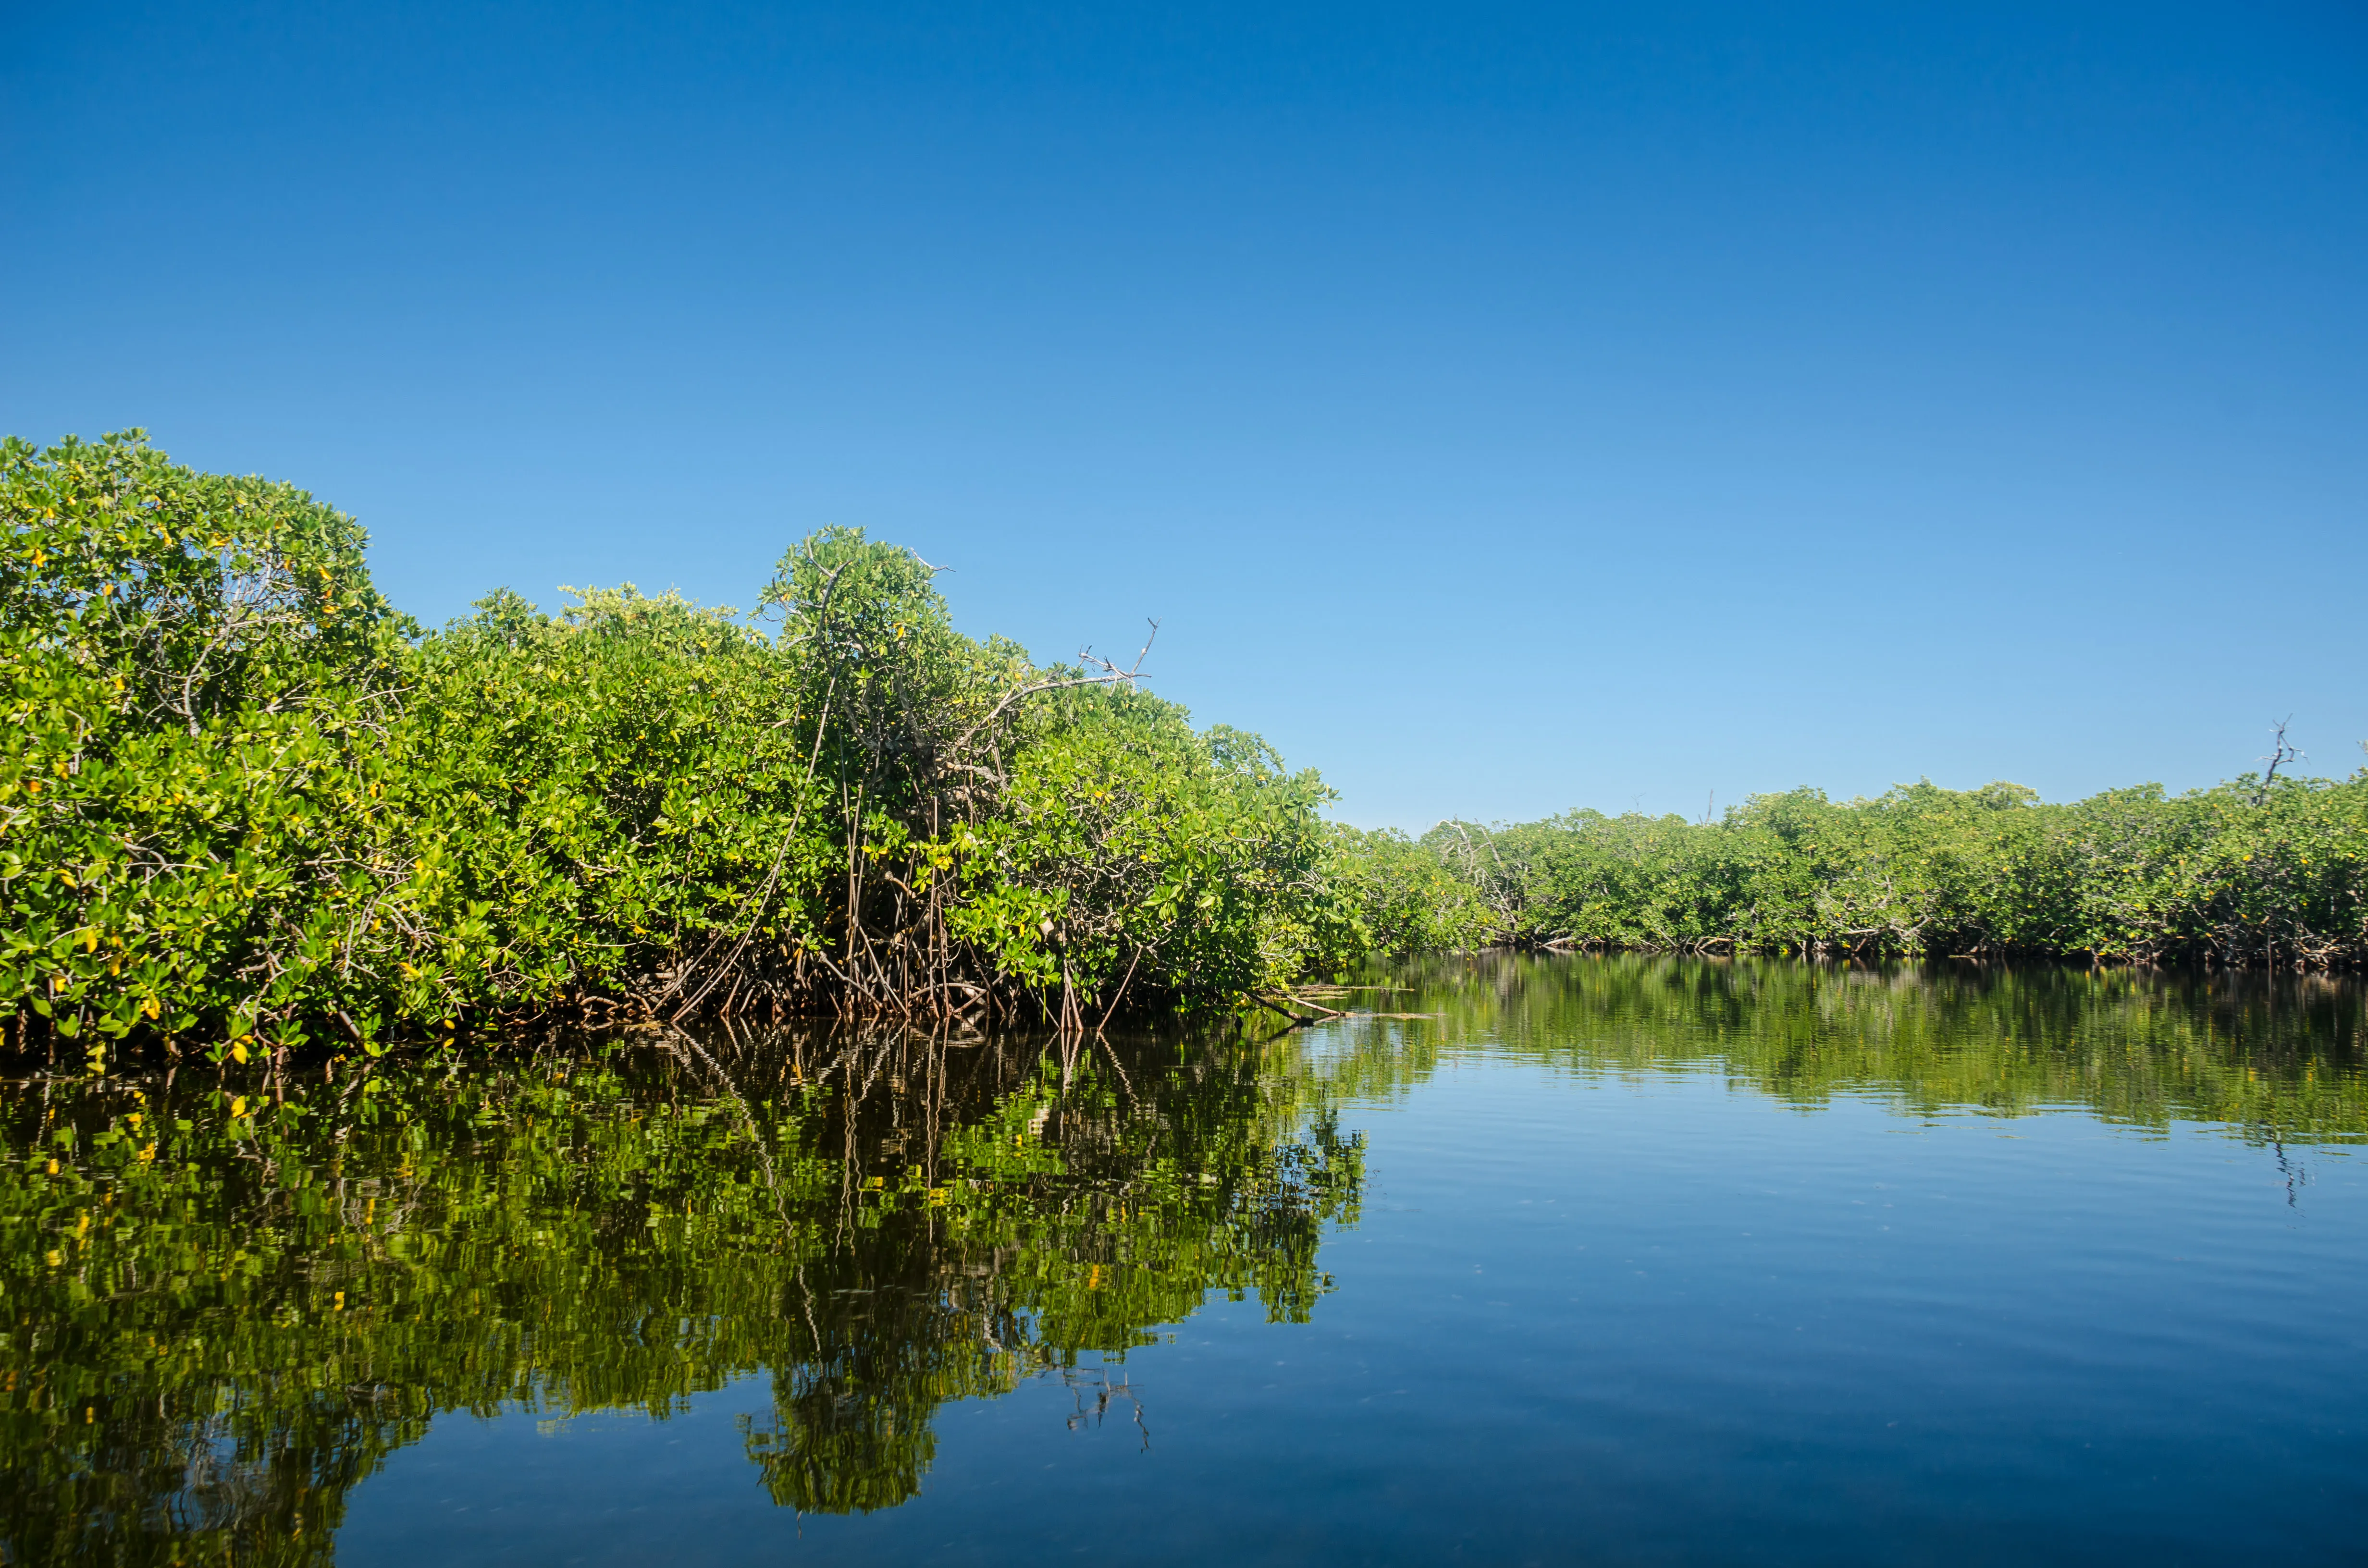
{"points": [[1533, 1259]]}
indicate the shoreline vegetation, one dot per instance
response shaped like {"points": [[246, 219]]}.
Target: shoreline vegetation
{"points": [[248, 806], [2262, 872]]}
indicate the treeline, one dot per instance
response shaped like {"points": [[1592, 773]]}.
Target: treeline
{"points": [[245, 803], [2263, 870]]}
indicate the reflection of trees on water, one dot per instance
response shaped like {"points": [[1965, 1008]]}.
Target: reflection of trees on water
{"points": [[223, 1311], [223, 1308], [2279, 1058]]}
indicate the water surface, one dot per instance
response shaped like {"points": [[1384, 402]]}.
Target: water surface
{"points": [[1602, 1260]]}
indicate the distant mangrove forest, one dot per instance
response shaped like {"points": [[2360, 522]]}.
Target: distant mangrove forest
{"points": [[247, 805], [2264, 871]]}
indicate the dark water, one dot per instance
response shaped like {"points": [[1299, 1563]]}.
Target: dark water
{"points": [[1607, 1261]]}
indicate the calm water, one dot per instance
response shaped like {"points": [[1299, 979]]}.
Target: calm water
{"points": [[1603, 1260]]}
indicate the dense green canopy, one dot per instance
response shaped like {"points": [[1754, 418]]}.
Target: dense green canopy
{"points": [[2259, 870], [244, 802]]}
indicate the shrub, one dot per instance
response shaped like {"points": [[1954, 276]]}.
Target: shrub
{"points": [[243, 799]]}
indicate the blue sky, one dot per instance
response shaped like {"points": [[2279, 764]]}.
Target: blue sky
{"points": [[1502, 408]]}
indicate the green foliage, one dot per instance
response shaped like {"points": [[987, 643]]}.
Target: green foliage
{"points": [[244, 803], [590, 794], [2246, 872], [1194, 861], [1398, 898], [200, 680]]}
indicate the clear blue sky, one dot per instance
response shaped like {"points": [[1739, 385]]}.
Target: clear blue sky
{"points": [[1502, 408]]}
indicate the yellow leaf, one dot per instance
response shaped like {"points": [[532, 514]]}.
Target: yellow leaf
{"points": [[238, 1054]]}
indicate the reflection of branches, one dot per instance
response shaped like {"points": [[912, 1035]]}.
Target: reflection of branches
{"points": [[496, 1219], [1104, 1390], [747, 1116], [2297, 1176]]}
